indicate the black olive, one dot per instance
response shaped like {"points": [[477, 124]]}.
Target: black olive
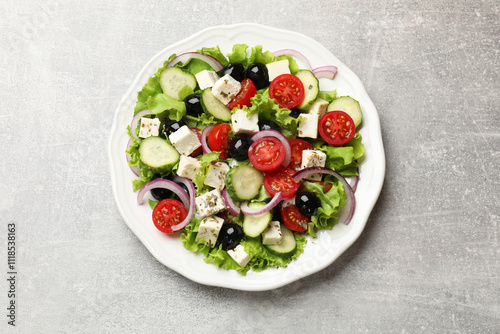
{"points": [[238, 147], [268, 125], [168, 127], [307, 202], [193, 105], [230, 236], [236, 70], [258, 73], [295, 113], [161, 193]]}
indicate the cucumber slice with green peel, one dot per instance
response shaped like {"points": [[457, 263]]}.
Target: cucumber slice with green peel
{"points": [[311, 88], [348, 105], [212, 106], [287, 246], [253, 226], [173, 82], [243, 182], [157, 153]]}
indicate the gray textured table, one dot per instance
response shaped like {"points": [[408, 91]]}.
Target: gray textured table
{"points": [[428, 260]]}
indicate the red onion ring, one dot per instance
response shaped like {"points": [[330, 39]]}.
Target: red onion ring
{"points": [[354, 184], [191, 207], [134, 169], [327, 72], [167, 184], [278, 135], [294, 54], [204, 134], [231, 206], [350, 205], [258, 211], [184, 57], [136, 119]]}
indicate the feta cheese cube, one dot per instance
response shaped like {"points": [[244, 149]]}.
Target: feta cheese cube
{"points": [[209, 203], [243, 124], [272, 235], [278, 68], [319, 107], [226, 88], [239, 255], [313, 158], [149, 127], [308, 128], [188, 167], [209, 229], [206, 78], [184, 140], [216, 174]]}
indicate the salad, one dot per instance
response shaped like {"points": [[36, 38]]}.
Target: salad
{"points": [[243, 154]]}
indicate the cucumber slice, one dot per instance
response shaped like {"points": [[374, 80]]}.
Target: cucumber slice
{"points": [[350, 106], [243, 182], [287, 246], [214, 107], [311, 88], [173, 82], [157, 153], [253, 226]]}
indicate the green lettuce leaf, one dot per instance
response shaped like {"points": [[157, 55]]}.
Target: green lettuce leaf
{"points": [[199, 178], [342, 159], [174, 109], [258, 56], [328, 96], [239, 55]]}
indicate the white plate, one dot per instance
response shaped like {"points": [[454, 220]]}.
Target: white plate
{"points": [[329, 244]]}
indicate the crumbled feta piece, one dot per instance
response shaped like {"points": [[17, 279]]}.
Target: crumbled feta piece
{"points": [[272, 235], [206, 79], [188, 167], [313, 158], [226, 88], [308, 128], [216, 173], [239, 255], [319, 107], [209, 203], [184, 140], [149, 127], [243, 124], [209, 229], [278, 68]]}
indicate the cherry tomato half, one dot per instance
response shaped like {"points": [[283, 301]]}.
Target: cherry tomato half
{"points": [[280, 181], [247, 91], [168, 213], [199, 150], [293, 219], [218, 139], [266, 153], [287, 90], [297, 145], [336, 127]]}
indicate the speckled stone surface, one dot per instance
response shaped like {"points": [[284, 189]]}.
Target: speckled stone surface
{"points": [[428, 260]]}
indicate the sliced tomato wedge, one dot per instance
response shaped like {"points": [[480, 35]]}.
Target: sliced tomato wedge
{"points": [[280, 181], [336, 127], [218, 139], [293, 219], [199, 150], [297, 145], [287, 90], [168, 213], [247, 91], [266, 153]]}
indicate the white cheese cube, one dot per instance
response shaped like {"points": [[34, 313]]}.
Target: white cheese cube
{"points": [[243, 124], [239, 255], [206, 78], [308, 128], [272, 235], [209, 203], [188, 167], [277, 68], [226, 88], [319, 107], [216, 174], [209, 230], [149, 127], [185, 140], [313, 158]]}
